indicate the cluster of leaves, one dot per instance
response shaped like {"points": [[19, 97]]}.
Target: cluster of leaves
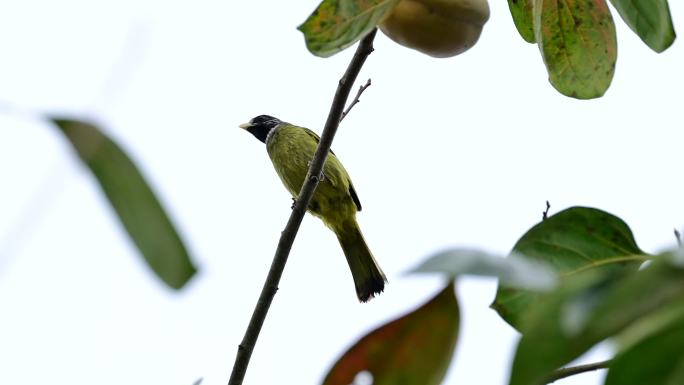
{"points": [[572, 281], [133, 200], [576, 37]]}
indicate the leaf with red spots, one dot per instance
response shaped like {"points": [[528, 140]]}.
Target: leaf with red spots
{"points": [[574, 240], [578, 44], [338, 24], [414, 349], [521, 10]]}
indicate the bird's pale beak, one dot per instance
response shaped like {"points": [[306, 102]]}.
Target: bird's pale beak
{"points": [[245, 125]]}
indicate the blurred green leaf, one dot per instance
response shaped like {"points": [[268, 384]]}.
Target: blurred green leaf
{"points": [[338, 24], [607, 303], [650, 20], [657, 359], [133, 200], [514, 271], [414, 349], [521, 10], [577, 42], [574, 240]]}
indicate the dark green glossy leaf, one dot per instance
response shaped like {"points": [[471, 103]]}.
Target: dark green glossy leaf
{"points": [[521, 10], [414, 349], [577, 42], [574, 240], [650, 20], [338, 24], [133, 200], [657, 359], [514, 271], [588, 310]]}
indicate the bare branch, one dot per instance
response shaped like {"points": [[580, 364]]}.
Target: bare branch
{"points": [[288, 235], [572, 370], [545, 214], [356, 99], [678, 236]]}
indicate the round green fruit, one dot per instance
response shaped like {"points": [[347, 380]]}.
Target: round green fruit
{"points": [[439, 28]]}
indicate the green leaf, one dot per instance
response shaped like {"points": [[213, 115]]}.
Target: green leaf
{"points": [[514, 271], [521, 10], [574, 240], [610, 301], [338, 24], [414, 349], [577, 42], [133, 200], [650, 20], [657, 359]]}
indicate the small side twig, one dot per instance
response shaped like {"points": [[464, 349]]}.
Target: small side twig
{"points": [[678, 236], [572, 370], [356, 99], [288, 235], [545, 214]]}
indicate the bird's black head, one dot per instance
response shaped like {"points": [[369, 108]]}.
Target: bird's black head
{"points": [[261, 126]]}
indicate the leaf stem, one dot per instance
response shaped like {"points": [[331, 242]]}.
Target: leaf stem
{"points": [[288, 235], [573, 370]]}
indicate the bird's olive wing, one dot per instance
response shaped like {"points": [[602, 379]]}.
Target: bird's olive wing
{"points": [[314, 136], [355, 197], [352, 191]]}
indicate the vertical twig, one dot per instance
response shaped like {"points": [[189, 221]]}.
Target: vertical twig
{"points": [[288, 235], [545, 214]]}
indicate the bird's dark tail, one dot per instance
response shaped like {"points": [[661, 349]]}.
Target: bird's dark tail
{"points": [[368, 277]]}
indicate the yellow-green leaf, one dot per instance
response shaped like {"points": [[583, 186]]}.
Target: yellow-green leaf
{"points": [[521, 10], [578, 44], [133, 201], [414, 349], [650, 20], [338, 24]]}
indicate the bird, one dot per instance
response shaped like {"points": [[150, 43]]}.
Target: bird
{"points": [[335, 201]]}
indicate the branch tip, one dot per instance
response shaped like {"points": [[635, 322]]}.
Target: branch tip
{"points": [[545, 214], [573, 370], [357, 99]]}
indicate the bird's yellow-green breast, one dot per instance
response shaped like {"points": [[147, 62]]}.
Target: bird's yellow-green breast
{"points": [[291, 149]]}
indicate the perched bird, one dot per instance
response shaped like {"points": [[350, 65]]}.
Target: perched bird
{"points": [[291, 149]]}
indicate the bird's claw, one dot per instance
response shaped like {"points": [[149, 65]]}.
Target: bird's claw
{"points": [[321, 177]]}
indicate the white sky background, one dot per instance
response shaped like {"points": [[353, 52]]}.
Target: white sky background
{"points": [[443, 152]]}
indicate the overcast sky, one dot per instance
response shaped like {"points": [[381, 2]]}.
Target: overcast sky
{"points": [[443, 152]]}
